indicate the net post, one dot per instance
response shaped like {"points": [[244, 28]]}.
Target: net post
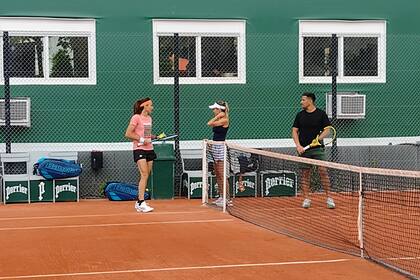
{"points": [[360, 217], [224, 176], [205, 197], [334, 74]]}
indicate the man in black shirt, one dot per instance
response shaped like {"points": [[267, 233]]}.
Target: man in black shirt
{"points": [[308, 123]]}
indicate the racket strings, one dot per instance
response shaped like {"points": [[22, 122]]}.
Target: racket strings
{"points": [[329, 135]]}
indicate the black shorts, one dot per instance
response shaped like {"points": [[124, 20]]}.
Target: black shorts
{"points": [[148, 155], [315, 153]]}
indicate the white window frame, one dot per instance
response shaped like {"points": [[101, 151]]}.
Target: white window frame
{"points": [[365, 28], [199, 28], [47, 27]]}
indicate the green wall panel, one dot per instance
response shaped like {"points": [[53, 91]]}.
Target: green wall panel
{"points": [[264, 107]]}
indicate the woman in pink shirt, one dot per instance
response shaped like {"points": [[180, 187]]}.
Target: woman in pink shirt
{"points": [[140, 131]]}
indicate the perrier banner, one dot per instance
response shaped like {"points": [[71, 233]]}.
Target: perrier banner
{"points": [[41, 190], [66, 189], [249, 184], [16, 191], [196, 186], [214, 193], [278, 183]]}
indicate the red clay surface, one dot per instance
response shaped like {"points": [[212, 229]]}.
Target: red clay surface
{"points": [[390, 231], [99, 239]]}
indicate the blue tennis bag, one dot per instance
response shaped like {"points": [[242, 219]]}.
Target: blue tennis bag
{"points": [[51, 168], [118, 191]]}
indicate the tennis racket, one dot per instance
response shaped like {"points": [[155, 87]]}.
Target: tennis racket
{"points": [[328, 136], [164, 137]]}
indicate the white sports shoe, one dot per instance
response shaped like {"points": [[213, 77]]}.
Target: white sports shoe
{"points": [[306, 203], [143, 207], [330, 203], [218, 201]]}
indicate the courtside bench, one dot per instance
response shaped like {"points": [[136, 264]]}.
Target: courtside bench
{"points": [[15, 177], [20, 185], [43, 190], [192, 176]]}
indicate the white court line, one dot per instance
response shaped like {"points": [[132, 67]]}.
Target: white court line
{"points": [[100, 215], [120, 224], [172, 269]]}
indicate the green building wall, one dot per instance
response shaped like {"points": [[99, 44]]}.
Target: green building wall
{"points": [[262, 108]]}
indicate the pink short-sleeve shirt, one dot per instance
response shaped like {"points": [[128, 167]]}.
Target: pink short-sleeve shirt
{"points": [[143, 128]]}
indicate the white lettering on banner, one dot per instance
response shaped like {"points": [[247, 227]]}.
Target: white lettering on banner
{"points": [[196, 185], [247, 184], [41, 190], [64, 188], [16, 189], [278, 181]]}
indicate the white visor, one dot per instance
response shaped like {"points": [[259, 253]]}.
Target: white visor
{"points": [[217, 106]]}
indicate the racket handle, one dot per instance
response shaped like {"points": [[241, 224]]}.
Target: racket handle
{"points": [[141, 141], [314, 143]]}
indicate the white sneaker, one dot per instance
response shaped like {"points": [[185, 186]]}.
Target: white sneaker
{"points": [[143, 207], [220, 203], [330, 203], [306, 203]]}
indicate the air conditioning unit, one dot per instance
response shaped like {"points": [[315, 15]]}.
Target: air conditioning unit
{"points": [[350, 105], [20, 112]]}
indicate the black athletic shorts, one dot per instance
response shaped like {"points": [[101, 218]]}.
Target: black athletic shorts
{"points": [[148, 155]]}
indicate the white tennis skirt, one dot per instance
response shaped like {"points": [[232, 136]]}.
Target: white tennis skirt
{"points": [[218, 151]]}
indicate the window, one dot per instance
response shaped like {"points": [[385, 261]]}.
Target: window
{"points": [[187, 53], [50, 51], [210, 51], [361, 51]]}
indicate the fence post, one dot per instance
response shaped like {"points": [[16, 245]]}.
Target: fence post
{"points": [[6, 75], [178, 164]]}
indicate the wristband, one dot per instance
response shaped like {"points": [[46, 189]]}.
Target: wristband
{"points": [[141, 141]]}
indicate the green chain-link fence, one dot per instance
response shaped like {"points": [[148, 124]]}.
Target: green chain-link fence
{"points": [[376, 124]]}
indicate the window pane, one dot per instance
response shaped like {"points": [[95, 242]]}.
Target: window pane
{"points": [[26, 57], [187, 54], [316, 56], [219, 56], [69, 57], [360, 56]]}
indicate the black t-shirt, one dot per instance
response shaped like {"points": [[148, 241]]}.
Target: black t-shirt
{"points": [[310, 125]]}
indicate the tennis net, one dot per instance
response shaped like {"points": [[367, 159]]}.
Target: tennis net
{"points": [[372, 213]]}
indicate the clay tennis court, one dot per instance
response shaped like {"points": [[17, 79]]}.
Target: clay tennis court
{"points": [[99, 239]]}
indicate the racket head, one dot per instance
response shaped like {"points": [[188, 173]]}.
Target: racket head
{"points": [[330, 136], [168, 137]]}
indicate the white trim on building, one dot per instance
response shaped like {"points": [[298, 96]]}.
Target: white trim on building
{"points": [[45, 27], [362, 28], [198, 29]]}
